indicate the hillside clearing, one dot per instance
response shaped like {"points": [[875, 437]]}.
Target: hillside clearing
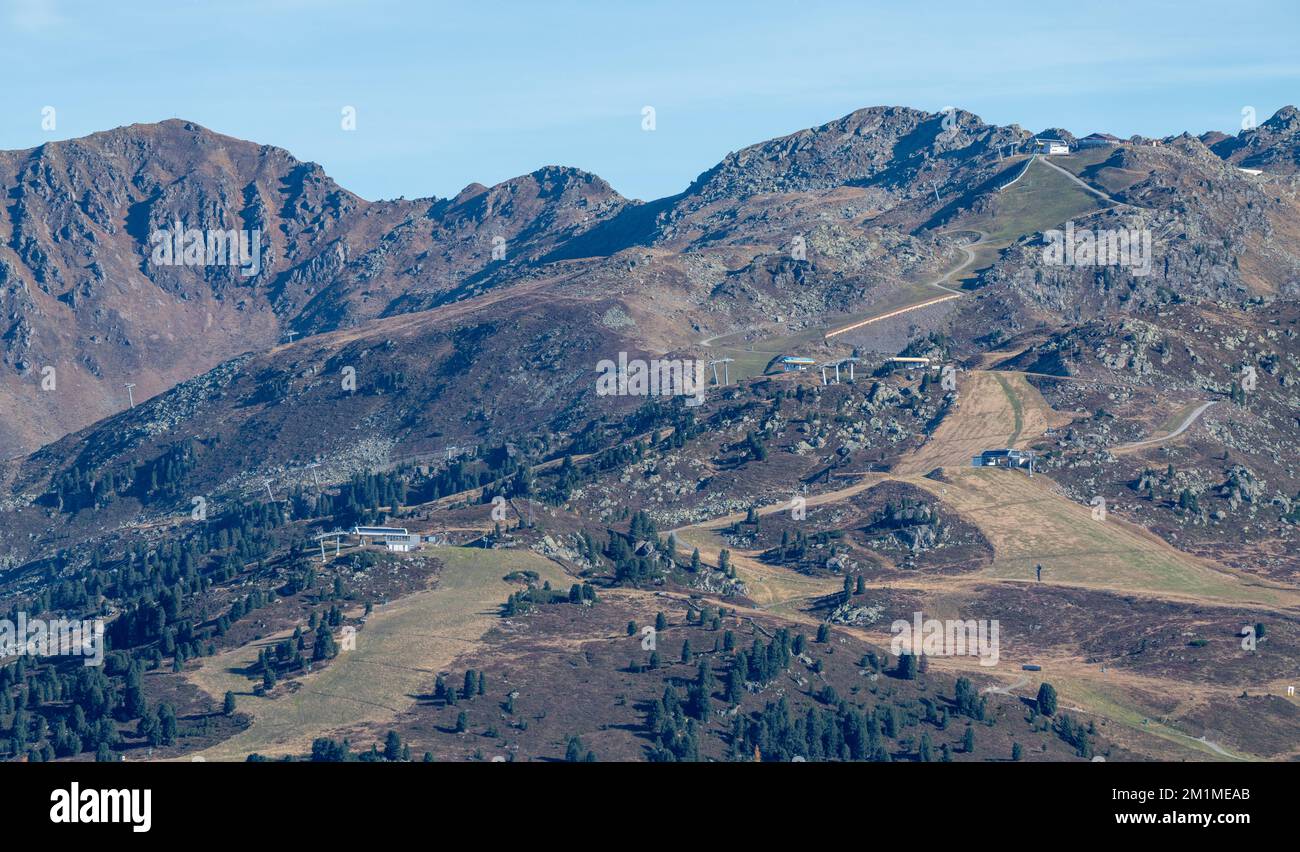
{"points": [[1029, 524], [994, 410], [399, 652]]}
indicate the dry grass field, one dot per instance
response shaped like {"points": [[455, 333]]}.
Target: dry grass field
{"points": [[994, 410], [399, 652], [1029, 523]]}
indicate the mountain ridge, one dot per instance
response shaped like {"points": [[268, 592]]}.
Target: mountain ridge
{"points": [[78, 293]]}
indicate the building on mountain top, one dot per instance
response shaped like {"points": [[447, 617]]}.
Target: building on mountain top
{"points": [[1098, 140]]}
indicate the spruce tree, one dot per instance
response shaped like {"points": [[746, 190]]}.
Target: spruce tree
{"points": [[1046, 699], [392, 747], [907, 666]]}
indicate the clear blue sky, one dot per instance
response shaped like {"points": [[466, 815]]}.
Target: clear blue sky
{"points": [[447, 94]]}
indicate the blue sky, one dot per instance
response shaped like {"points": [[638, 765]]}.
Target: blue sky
{"points": [[446, 94]]}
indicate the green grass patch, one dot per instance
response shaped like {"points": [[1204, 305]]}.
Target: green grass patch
{"points": [[1098, 701], [1042, 199], [1017, 409]]}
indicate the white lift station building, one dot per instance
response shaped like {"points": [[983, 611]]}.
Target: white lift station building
{"points": [[393, 538], [1007, 458]]}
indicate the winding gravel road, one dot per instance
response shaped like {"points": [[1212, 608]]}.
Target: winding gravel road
{"points": [[1183, 427]]}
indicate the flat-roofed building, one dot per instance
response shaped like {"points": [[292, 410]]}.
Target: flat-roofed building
{"points": [[394, 538], [402, 543], [1009, 458]]}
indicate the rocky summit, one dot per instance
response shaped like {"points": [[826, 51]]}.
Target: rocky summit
{"points": [[667, 475]]}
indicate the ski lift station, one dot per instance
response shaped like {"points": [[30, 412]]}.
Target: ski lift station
{"points": [[1008, 458], [393, 538]]}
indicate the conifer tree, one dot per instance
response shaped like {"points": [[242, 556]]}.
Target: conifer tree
{"points": [[392, 746], [1046, 699], [907, 666]]}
